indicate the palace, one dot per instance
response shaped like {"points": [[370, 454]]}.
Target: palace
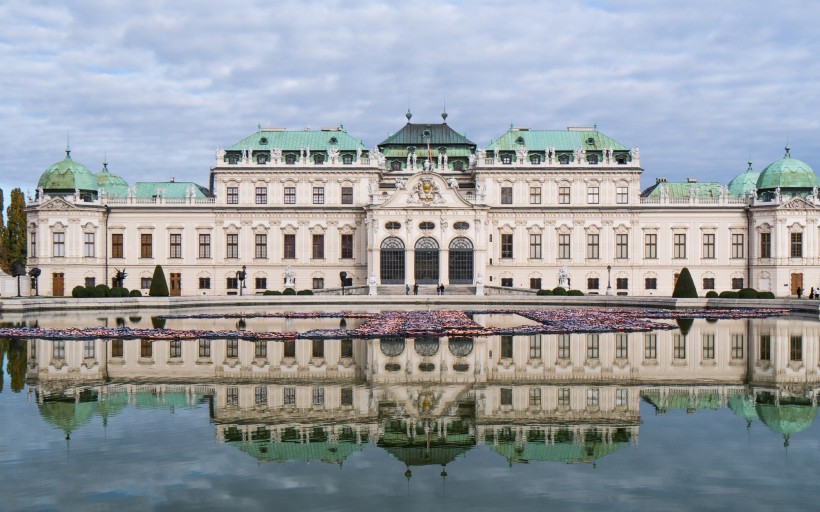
{"points": [[535, 209]]}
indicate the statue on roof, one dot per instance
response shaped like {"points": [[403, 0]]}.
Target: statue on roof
{"points": [[333, 154], [636, 154], [777, 196], [521, 153], [276, 155], [358, 154], [399, 184], [495, 153], [376, 155], [307, 153]]}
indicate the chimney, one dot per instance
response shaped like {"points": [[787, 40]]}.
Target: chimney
{"points": [[660, 180], [691, 180], [172, 179]]}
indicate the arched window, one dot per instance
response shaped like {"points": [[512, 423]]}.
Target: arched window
{"points": [[318, 158], [621, 159], [460, 347], [290, 159], [263, 141], [592, 159], [262, 158], [392, 347], [391, 259], [347, 159], [426, 257], [426, 347], [535, 159], [461, 261], [563, 159], [395, 165], [458, 166]]}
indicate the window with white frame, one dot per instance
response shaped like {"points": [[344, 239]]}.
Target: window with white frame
{"points": [[535, 246], [564, 252], [88, 245], [535, 195], [708, 246], [58, 245], [622, 246], [593, 246], [622, 195], [593, 194], [737, 246]]}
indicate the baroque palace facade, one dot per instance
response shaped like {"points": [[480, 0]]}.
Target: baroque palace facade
{"points": [[427, 206]]}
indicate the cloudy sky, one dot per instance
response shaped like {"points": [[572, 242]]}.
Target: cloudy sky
{"points": [[700, 86]]}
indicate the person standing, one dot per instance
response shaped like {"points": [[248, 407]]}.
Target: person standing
{"points": [[406, 288], [799, 292], [442, 288], [811, 293], [415, 288]]}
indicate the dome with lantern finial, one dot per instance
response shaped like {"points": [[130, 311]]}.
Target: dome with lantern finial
{"points": [[111, 184], [66, 177], [744, 182], [792, 176]]}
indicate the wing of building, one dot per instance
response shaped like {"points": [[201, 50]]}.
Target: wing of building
{"points": [[535, 209]]}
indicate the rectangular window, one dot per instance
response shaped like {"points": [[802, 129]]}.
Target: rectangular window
{"points": [[678, 346], [593, 397], [347, 397], [347, 348], [535, 195], [318, 247], [535, 246], [290, 349], [318, 195], [347, 195], [116, 348], [593, 246], [204, 283], [708, 246], [59, 245], [261, 395], [708, 346], [737, 245], [318, 283], [261, 283], [507, 282], [289, 247], [506, 195], [593, 346], [88, 245], [232, 350], [261, 195], [90, 282], [564, 252], [650, 248], [650, 346], [535, 283], [621, 397], [708, 283], [232, 396], [204, 245], [797, 245], [261, 246], [651, 283], [232, 283], [146, 348], [506, 347], [233, 195], [318, 349], [58, 349], [318, 396], [116, 245], [622, 283], [145, 283], [563, 195], [146, 245], [765, 245], [260, 349], [622, 195], [535, 346], [232, 247], [765, 347], [738, 340], [622, 246], [737, 283], [535, 397], [621, 346], [563, 397], [204, 349], [175, 246], [679, 245], [506, 396], [593, 195], [289, 396], [33, 245], [592, 283], [563, 346], [290, 195], [506, 245], [347, 246], [88, 349], [175, 348], [796, 348]]}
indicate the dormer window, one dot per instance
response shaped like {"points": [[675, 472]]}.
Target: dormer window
{"points": [[519, 140], [263, 141], [333, 140], [233, 159], [347, 159], [261, 158], [563, 159], [621, 159], [458, 166], [591, 141], [535, 159], [425, 133], [290, 159], [318, 158], [592, 159], [506, 159], [395, 165]]}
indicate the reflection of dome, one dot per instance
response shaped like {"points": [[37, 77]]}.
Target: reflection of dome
{"points": [[290, 448], [66, 176], [392, 347], [67, 415], [534, 448], [460, 347], [787, 173], [743, 407], [790, 417], [744, 182], [426, 346]]}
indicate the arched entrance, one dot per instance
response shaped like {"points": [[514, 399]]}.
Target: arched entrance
{"points": [[392, 261], [461, 261], [426, 261]]}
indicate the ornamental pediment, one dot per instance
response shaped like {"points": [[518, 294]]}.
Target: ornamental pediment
{"points": [[56, 204], [426, 189], [797, 203]]}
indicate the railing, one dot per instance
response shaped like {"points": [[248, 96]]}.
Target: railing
{"points": [[701, 201]]}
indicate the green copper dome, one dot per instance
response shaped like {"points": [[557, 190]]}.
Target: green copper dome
{"points": [[744, 182], [111, 183], [67, 176], [787, 173]]}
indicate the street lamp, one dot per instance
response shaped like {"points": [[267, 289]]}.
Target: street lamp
{"points": [[609, 279], [240, 277], [34, 274]]}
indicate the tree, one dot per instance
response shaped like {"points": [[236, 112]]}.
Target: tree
{"points": [[14, 233], [685, 286], [159, 287]]}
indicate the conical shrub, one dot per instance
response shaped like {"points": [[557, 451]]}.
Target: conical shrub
{"points": [[685, 287], [159, 287]]}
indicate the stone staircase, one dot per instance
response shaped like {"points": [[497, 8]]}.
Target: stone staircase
{"points": [[426, 290]]}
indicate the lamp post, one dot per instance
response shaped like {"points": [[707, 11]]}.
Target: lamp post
{"points": [[240, 277], [609, 279], [18, 270], [34, 274], [343, 277]]}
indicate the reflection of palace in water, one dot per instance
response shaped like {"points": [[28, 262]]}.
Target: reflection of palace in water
{"points": [[570, 397]]}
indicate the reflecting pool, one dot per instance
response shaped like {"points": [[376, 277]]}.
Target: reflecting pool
{"points": [[711, 415]]}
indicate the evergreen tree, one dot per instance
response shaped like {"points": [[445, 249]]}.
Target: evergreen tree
{"points": [[14, 233], [159, 287], [685, 286], [2, 231]]}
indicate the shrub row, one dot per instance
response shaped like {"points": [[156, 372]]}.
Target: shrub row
{"points": [[744, 293], [101, 290], [558, 290], [288, 291]]}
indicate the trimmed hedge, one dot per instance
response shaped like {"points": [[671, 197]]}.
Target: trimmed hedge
{"points": [[712, 294], [729, 295], [135, 293], [119, 292], [747, 293], [575, 293], [304, 292], [544, 292], [765, 295], [558, 290], [289, 291], [685, 286], [80, 292], [159, 286], [100, 291], [271, 292]]}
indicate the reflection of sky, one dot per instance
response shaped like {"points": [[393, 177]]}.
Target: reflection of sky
{"points": [[156, 459]]}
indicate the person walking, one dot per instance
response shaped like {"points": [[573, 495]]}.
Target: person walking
{"points": [[799, 292], [442, 288], [415, 288], [811, 294], [406, 288]]}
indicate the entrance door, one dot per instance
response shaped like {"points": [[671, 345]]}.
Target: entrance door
{"points": [[797, 282], [426, 261], [176, 284], [392, 261], [461, 261], [58, 285]]}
